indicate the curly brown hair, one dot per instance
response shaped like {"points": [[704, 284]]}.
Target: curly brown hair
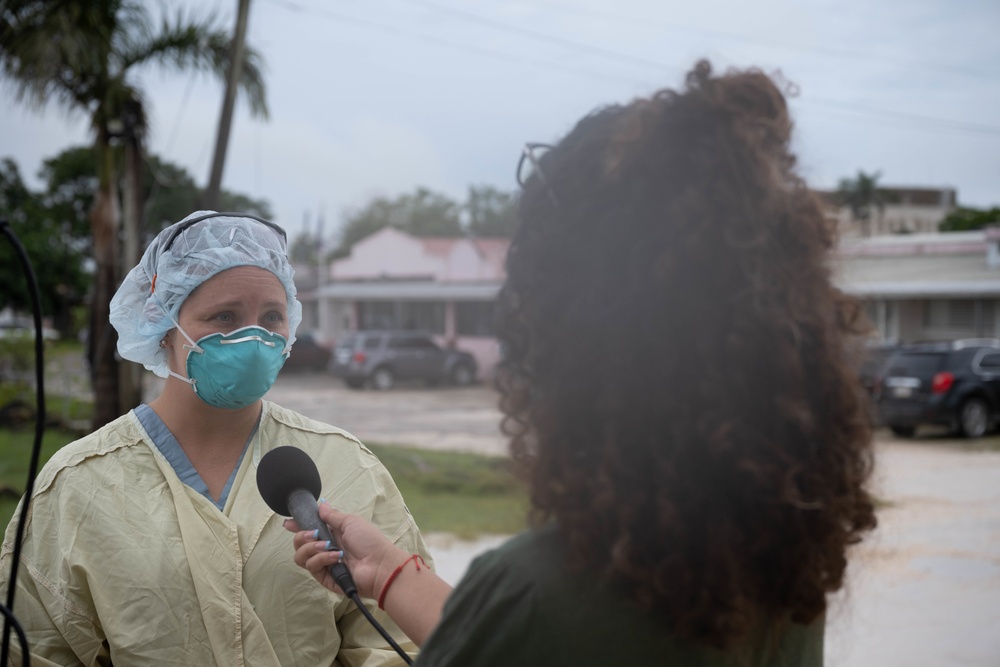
{"points": [[676, 380]]}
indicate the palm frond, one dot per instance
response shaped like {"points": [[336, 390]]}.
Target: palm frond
{"points": [[53, 51], [201, 46]]}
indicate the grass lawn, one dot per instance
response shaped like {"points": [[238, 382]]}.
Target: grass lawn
{"points": [[15, 456], [465, 494]]}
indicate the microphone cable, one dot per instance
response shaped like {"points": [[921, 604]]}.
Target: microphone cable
{"points": [[378, 626], [36, 448], [25, 656]]}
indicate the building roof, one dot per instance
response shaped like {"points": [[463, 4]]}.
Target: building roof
{"points": [[919, 266], [391, 254]]}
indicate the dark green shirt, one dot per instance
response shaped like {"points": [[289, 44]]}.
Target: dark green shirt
{"points": [[519, 606]]}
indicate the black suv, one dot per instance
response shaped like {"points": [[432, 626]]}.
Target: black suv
{"points": [[954, 384], [382, 357]]}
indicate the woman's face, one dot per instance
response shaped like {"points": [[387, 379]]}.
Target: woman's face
{"points": [[238, 297]]}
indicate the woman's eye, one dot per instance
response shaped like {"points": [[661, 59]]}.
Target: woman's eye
{"points": [[223, 317], [274, 317]]}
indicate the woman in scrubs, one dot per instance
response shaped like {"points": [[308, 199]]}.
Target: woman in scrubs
{"points": [[148, 542]]}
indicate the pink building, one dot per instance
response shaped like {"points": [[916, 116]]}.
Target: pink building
{"points": [[914, 286], [393, 280]]}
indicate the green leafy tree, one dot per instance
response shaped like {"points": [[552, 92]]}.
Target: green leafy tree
{"points": [[304, 249], [55, 221], [422, 213], [57, 255], [967, 218], [491, 212], [173, 194], [85, 56], [863, 197]]}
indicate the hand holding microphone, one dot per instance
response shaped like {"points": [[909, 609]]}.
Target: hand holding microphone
{"points": [[372, 556], [290, 485]]}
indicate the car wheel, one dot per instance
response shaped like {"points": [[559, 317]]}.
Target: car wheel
{"points": [[973, 418], [355, 383], [903, 431], [461, 375], [383, 379]]}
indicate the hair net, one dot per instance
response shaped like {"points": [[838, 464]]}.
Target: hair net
{"points": [[179, 259]]}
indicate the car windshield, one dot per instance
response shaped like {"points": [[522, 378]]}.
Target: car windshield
{"points": [[346, 341]]}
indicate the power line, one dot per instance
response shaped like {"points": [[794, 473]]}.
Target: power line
{"points": [[946, 123], [927, 122], [468, 48], [749, 39], [543, 37]]}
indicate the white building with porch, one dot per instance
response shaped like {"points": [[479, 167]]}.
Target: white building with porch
{"points": [[926, 287]]}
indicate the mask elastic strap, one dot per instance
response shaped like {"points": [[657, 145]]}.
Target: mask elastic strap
{"points": [[190, 346], [181, 377]]}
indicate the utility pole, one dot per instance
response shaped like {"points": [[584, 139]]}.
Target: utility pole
{"points": [[210, 199]]}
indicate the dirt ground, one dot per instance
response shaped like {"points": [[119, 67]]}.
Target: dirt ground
{"points": [[923, 591]]}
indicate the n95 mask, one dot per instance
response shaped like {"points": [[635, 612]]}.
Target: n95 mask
{"points": [[236, 369]]}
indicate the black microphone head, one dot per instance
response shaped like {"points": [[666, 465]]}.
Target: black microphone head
{"points": [[284, 470]]}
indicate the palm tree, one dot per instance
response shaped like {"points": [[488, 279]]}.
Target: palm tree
{"points": [[861, 195], [84, 56]]}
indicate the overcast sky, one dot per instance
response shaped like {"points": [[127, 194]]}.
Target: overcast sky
{"points": [[373, 97]]}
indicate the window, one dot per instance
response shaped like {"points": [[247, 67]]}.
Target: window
{"points": [[952, 313], [422, 316], [409, 315], [412, 343], [376, 315], [991, 362], [474, 318], [883, 314]]}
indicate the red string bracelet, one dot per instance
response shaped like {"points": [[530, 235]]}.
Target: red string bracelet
{"points": [[395, 573]]}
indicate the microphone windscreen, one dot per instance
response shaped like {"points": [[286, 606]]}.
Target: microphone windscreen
{"points": [[284, 470]]}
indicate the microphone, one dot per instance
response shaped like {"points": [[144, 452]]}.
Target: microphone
{"points": [[290, 485]]}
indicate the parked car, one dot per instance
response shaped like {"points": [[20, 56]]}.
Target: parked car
{"points": [[380, 358], [309, 353], [954, 384]]}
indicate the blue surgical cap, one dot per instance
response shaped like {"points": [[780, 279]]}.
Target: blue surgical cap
{"points": [[183, 256]]}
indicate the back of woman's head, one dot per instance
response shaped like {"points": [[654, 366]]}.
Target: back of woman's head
{"points": [[676, 378]]}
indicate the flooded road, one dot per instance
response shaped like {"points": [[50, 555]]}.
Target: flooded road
{"points": [[923, 590]]}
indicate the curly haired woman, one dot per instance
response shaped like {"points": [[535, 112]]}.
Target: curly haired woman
{"points": [[678, 390]]}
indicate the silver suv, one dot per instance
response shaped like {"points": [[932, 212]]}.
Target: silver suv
{"points": [[380, 358]]}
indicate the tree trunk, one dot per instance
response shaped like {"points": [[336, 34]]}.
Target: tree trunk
{"points": [[210, 199], [104, 223], [130, 373]]}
